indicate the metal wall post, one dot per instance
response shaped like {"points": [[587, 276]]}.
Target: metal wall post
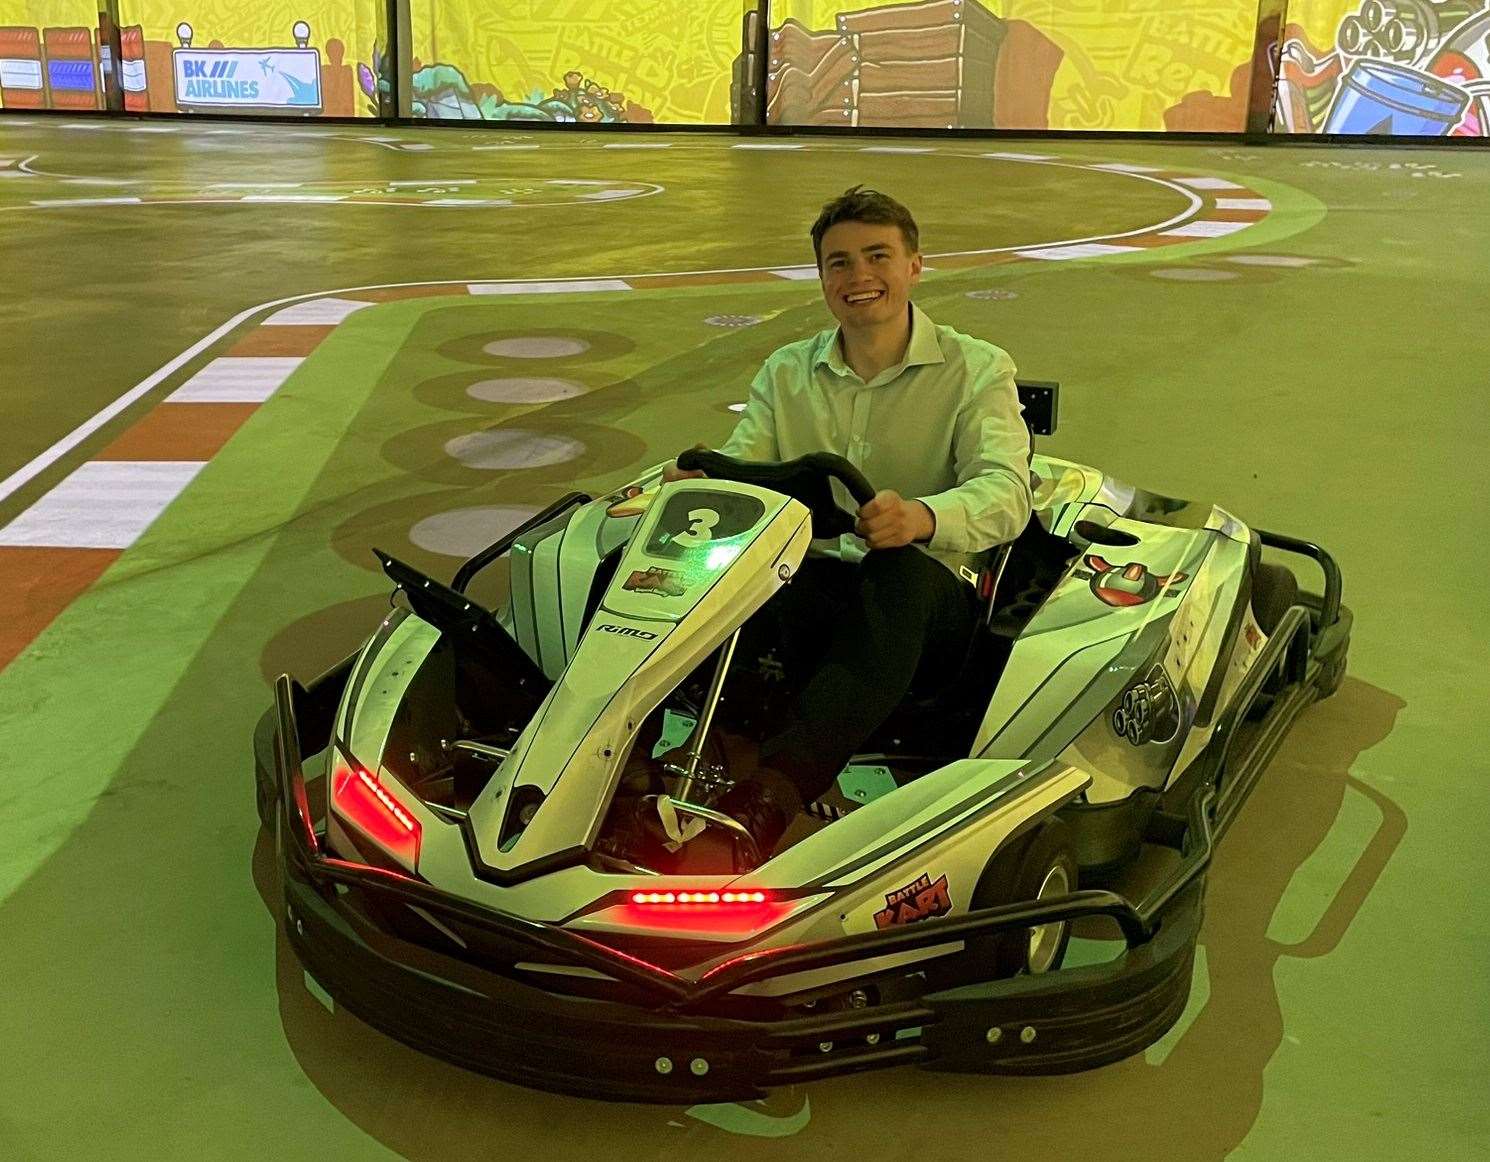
{"points": [[401, 58], [1267, 62], [110, 63]]}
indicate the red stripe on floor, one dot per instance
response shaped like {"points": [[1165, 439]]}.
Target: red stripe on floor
{"points": [[659, 281], [290, 339], [393, 293], [180, 431], [38, 584]]}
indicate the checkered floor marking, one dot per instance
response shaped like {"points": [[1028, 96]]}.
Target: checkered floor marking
{"points": [[232, 379], [1081, 250], [104, 504], [317, 311], [577, 286]]}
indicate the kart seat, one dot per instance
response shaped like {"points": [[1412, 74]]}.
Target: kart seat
{"points": [[940, 717]]}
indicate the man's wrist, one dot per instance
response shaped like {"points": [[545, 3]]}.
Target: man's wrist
{"points": [[928, 525]]}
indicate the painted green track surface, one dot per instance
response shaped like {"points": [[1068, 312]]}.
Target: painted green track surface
{"points": [[1319, 374]]}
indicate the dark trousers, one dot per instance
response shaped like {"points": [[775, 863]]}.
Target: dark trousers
{"points": [[853, 640]]}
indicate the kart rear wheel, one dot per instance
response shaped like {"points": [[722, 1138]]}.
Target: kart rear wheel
{"points": [[1041, 866], [1332, 673], [264, 799]]}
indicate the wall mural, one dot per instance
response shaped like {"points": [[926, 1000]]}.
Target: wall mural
{"points": [[49, 55], [583, 61], [1176, 65], [1386, 66], [1416, 67], [308, 57]]}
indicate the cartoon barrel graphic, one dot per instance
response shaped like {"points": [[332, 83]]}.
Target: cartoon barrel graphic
{"points": [[22, 79], [132, 76], [1382, 97], [72, 73]]}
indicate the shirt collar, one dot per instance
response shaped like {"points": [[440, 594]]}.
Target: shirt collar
{"points": [[923, 349]]}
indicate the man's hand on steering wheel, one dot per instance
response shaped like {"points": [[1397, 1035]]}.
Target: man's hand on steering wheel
{"points": [[890, 521], [673, 472]]}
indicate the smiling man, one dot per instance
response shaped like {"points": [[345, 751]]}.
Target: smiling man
{"points": [[932, 418]]}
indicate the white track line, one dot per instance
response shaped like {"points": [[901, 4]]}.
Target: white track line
{"points": [[53, 203], [547, 286], [318, 312]]}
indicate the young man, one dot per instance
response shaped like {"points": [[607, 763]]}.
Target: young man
{"points": [[932, 418]]}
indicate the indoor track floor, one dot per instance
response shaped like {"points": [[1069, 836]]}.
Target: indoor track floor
{"points": [[233, 358]]}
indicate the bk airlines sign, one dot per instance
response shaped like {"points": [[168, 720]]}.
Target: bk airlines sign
{"points": [[268, 78]]}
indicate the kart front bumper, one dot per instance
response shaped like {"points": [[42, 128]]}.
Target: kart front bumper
{"points": [[488, 1022]]}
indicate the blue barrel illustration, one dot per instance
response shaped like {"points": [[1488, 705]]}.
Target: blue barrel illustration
{"points": [[1381, 97]]}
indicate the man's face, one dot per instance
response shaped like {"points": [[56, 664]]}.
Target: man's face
{"points": [[867, 273]]}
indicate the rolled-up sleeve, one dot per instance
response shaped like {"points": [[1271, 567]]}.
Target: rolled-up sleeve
{"points": [[991, 501], [754, 437]]}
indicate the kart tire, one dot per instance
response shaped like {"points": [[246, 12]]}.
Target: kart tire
{"points": [[264, 800], [1041, 864], [1332, 673]]}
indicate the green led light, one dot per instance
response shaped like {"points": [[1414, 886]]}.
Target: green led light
{"points": [[720, 556]]}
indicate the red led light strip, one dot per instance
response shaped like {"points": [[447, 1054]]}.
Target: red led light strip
{"points": [[730, 897], [387, 800], [374, 811]]}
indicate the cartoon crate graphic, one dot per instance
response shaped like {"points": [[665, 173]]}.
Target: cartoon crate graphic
{"points": [[72, 68], [930, 65], [133, 75], [22, 76]]}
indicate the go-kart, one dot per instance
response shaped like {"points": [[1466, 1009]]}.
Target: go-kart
{"points": [[510, 852]]}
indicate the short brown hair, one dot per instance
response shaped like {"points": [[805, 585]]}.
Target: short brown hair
{"points": [[861, 205]]}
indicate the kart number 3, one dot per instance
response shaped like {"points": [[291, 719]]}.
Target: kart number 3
{"points": [[700, 530]]}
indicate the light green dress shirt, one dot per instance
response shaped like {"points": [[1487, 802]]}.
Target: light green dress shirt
{"points": [[943, 426]]}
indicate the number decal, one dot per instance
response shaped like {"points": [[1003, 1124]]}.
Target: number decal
{"points": [[701, 528]]}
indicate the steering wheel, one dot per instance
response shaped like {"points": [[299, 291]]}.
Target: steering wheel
{"points": [[807, 479]]}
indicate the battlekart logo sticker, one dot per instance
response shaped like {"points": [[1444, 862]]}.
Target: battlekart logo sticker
{"points": [[917, 901], [655, 580]]}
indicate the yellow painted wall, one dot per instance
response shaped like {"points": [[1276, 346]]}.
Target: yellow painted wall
{"points": [[1127, 61], [261, 23], [1320, 18], [49, 13], [673, 57]]}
